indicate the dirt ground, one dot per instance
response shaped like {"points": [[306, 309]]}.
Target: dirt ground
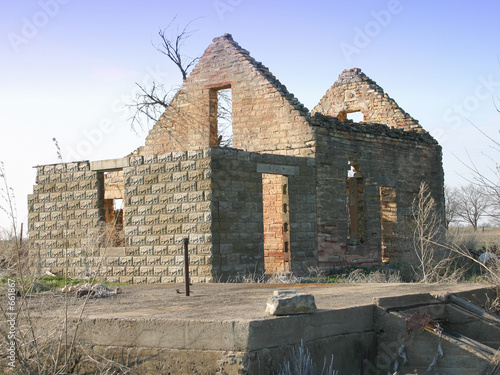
{"points": [[234, 302]]}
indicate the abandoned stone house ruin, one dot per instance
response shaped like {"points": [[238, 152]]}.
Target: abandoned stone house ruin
{"points": [[296, 189]]}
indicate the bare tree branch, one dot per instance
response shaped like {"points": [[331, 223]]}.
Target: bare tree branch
{"points": [[472, 203], [171, 47], [149, 104]]}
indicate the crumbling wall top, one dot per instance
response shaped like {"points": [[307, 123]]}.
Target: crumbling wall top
{"points": [[354, 91], [347, 126]]}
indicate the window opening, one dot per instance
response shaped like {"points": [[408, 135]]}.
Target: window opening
{"points": [[221, 122], [351, 171], [388, 219], [355, 204], [112, 198], [356, 116]]}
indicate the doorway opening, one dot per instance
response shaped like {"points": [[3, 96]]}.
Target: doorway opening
{"points": [[355, 204], [276, 219], [112, 207]]}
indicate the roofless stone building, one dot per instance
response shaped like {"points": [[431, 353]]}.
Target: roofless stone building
{"points": [[296, 189]]}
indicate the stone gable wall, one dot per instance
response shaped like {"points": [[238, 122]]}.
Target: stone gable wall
{"points": [[265, 116], [353, 92]]}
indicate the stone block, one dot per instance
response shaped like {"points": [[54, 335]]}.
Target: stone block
{"points": [[154, 260], [193, 155], [167, 260], [163, 158], [172, 167], [153, 280], [180, 176], [160, 250], [151, 179], [146, 271], [290, 303]]}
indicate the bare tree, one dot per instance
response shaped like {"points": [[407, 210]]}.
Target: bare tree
{"points": [[151, 102], [472, 203], [489, 182], [451, 205], [148, 105], [171, 47]]}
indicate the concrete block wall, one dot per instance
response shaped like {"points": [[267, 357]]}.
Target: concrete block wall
{"points": [[238, 237], [402, 160], [166, 199], [64, 217]]}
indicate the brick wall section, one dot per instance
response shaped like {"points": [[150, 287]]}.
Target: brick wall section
{"points": [[166, 198], [385, 157], [237, 227], [266, 117], [353, 92]]}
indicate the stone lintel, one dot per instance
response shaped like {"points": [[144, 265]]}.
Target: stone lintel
{"points": [[109, 165], [288, 170]]}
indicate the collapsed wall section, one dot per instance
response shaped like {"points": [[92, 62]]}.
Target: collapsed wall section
{"points": [[239, 242], [367, 178]]}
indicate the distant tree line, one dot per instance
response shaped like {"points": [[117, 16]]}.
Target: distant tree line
{"points": [[472, 205]]}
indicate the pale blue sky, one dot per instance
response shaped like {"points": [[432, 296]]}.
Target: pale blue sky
{"points": [[67, 67]]}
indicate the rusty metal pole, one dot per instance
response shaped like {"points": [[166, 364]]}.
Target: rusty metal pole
{"points": [[186, 265]]}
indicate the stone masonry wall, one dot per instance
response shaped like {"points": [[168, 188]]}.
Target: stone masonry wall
{"points": [[265, 116], [353, 92], [382, 159], [166, 198], [238, 239]]}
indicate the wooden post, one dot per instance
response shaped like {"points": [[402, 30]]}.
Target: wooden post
{"points": [[186, 265]]}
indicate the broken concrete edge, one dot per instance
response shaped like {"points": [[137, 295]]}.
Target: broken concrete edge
{"points": [[478, 296]]}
